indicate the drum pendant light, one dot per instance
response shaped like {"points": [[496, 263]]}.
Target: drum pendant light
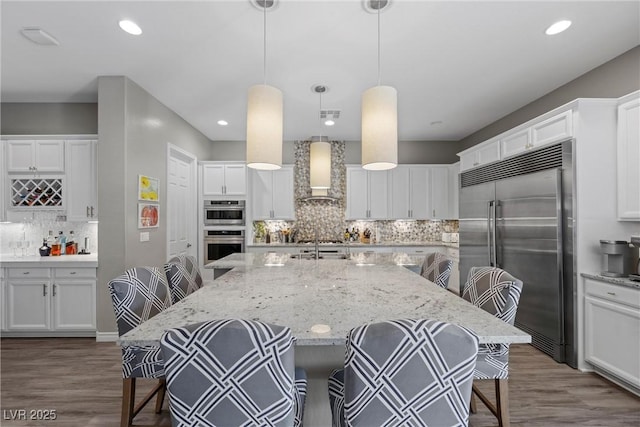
{"points": [[264, 118], [320, 159], [379, 120]]}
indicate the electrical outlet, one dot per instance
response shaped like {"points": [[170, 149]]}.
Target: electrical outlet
{"points": [[144, 236]]}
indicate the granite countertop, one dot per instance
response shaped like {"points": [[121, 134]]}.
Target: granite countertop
{"points": [[90, 261], [357, 244], [621, 281], [304, 294]]}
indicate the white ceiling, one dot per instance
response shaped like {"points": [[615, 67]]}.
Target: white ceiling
{"points": [[465, 63]]}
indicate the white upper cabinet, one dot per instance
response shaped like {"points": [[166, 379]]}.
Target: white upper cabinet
{"points": [[272, 194], [409, 195], [367, 194], [41, 156], [224, 179], [420, 192], [478, 156], [553, 129], [628, 164], [454, 190], [439, 192], [81, 187]]}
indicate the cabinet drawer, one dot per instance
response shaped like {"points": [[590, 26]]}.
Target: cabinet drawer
{"points": [[611, 292], [29, 273], [75, 273]]}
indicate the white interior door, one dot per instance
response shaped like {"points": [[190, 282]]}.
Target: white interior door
{"points": [[182, 212]]}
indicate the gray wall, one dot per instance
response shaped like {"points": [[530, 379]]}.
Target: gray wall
{"points": [[48, 119], [409, 152], [134, 129], [612, 79]]}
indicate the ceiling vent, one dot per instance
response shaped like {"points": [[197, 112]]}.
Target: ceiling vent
{"points": [[39, 36], [330, 114]]}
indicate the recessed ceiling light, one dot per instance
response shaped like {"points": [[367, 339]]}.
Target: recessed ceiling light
{"points": [[130, 27], [223, 122], [557, 27], [329, 123]]}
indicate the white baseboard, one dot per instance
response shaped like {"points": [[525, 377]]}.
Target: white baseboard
{"points": [[106, 336]]}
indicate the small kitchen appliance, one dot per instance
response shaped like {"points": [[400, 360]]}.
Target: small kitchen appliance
{"points": [[619, 258]]}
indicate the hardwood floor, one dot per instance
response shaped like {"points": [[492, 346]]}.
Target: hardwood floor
{"points": [[81, 380]]}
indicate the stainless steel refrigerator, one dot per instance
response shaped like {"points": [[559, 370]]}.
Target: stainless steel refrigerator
{"points": [[516, 214]]}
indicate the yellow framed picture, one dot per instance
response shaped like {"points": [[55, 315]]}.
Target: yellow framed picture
{"points": [[148, 188]]}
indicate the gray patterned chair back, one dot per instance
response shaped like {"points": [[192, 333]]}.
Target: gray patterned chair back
{"points": [[138, 295], [437, 268], [497, 292], [404, 373], [232, 373], [183, 276]]}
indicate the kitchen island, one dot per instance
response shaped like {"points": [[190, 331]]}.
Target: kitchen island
{"points": [[321, 300]]}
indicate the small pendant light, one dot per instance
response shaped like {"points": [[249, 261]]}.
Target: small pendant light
{"points": [[320, 158], [264, 117], [379, 119]]}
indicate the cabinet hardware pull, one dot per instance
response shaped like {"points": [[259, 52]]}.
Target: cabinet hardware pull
{"points": [[91, 211], [44, 289], [54, 290], [611, 293], [25, 272], [73, 272], [88, 212]]}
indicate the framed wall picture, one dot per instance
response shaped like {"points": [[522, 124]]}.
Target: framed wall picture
{"points": [[148, 215], [148, 188]]}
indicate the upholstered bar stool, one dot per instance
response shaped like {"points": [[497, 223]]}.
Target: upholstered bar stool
{"points": [[437, 268], [497, 292], [137, 295], [233, 373], [183, 276], [405, 373]]}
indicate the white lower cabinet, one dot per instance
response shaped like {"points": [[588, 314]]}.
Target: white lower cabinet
{"points": [[51, 301], [612, 331]]}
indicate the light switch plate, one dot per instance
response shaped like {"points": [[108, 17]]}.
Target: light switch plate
{"points": [[144, 236]]}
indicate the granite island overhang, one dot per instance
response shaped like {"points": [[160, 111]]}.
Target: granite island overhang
{"points": [[321, 300]]}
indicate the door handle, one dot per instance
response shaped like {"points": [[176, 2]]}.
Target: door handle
{"points": [[188, 245], [495, 233], [489, 205]]}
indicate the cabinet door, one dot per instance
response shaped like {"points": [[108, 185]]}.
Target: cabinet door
{"points": [[378, 194], [619, 352], [554, 129], [516, 143], [20, 156], [440, 193], [212, 180], [283, 205], [81, 186], [467, 161], [3, 183], [357, 193], [420, 192], [49, 156], [28, 306], [488, 154], [399, 197], [628, 146], [235, 180], [74, 305], [261, 194], [454, 190], [3, 307]]}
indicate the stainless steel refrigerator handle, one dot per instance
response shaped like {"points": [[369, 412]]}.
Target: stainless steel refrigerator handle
{"points": [[495, 233], [489, 204]]}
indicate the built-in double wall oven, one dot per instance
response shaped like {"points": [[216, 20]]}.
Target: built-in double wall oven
{"points": [[224, 212], [220, 243], [224, 228]]}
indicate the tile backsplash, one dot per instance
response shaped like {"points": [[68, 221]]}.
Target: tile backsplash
{"points": [[33, 230]]}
